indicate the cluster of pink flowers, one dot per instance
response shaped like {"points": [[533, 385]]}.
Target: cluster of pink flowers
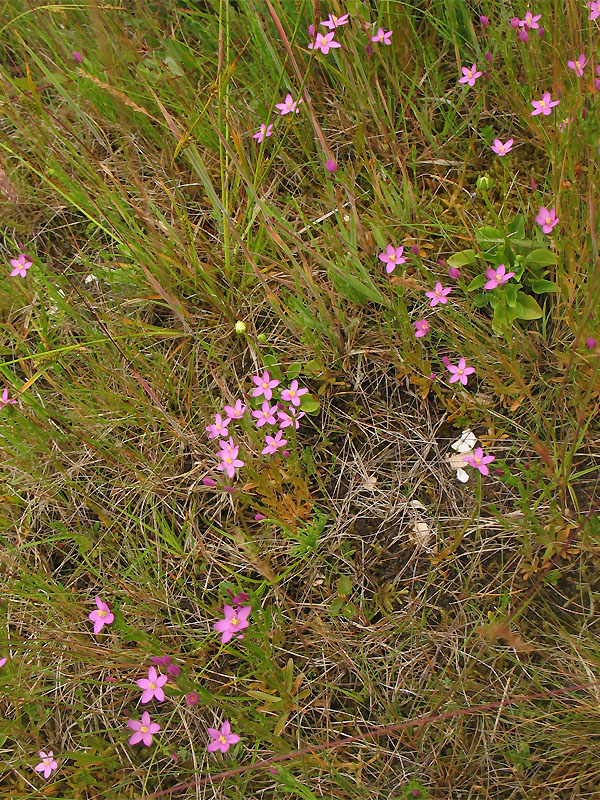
{"points": [[523, 26]]}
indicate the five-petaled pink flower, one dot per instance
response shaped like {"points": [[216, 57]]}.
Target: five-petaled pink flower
{"points": [[594, 6], [479, 461], [144, 729], [20, 265], [547, 219], [47, 764], [421, 328], [236, 619], [438, 295], [460, 372], [229, 461], [218, 428], [470, 75], [288, 105], [502, 149], [223, 739], [263, 132], [382, 36], [324, 42], [264, 385], [578, 65], [334, 22], [273, 443], [530, 21], [293, 394], [497, 276], [392, 257], [293, 417], [101, 616], [152, 686], [235, 411], [543, 106], [265, 415], [5, 400]]}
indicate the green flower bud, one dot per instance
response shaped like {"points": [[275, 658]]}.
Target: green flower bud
{"points": [[484, 182], [240, 327], [262, 338]]}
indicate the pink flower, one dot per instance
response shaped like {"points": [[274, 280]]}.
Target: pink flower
{"points": [[453, 273], [236, 619], [273, 443], [5, 400], [20, 265], [77, 56], [192, 698], [530, 21], [293, 417], [502, 149], [484, 21], [223, 739], [331, 165], [293, 394], [264, 385], [161, 661], [422, 328], [144, 729], [479, 461], [460, 372], [236, 411], [594, 6], [265, 415], [324, 42], [47, 764], [470, 75], [578, 65], [380, 36], [547, 219], [229, 461], [544, 105], [227, 447], [392, 257], [562, 125], [497, 277], [101, 616], [590, 343], [152, 686], [263, 132], [218, 428], [334, 22], [288, 105], [438, 295], [174, 670], [4, 660]]}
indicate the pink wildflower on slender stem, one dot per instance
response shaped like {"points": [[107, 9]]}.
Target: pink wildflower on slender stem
{"points": [[479, 461], [273, 443], [421, 328], [101, 615], [392, 257], [236, 619], [263, 132], [5, 400], [293, 417], [530, 21], [578, 65], [20, 265], [77, 56], [543, 106], [594, 6], [218, 427], [324, 42], [460, 372], [223, 739], [47, 764], [470, 75], [293, 394], [288, 105], [334, 22], [235, 411], [152, 686], [229, 461], [144, 729], [265, 415], [547, 219], [502, 149], [264, 385], [227, 446], [382, 36], [497, 276], [438, 295]]}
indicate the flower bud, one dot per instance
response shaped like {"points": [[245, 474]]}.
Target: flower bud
{"points": [[484, 20], [488, 56], [590, 343], [262, 338], [515, 22], [484, 182], [523, 35], [240, 327], [541, 32], [454, 273], [330, 165]]}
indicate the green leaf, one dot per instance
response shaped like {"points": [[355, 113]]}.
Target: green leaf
{"points": [[539, 286], [309, 404], [541, 258], [463, 258], [517, 226], [344, 586], [527, 307], [476, 283], [510, 293], [480, 300], [488, 235], [293, 370]]}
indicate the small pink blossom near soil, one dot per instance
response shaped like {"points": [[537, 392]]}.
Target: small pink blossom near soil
{"points": [[392, 257], [470, 75], [438, 295], [502, 149], [382, 36], [235, 411], [209, 482], [331, 165], [263, 132], [460, 372], [20, 265], [530, 20], [192, 698], [265, 415], [479, 461], [101, 615], [218, 427], [5, 400], [289, 417], [47, 765], [264, 385], [484, 21], [422, 328], [236, 619], [259, 517], [152, 686], [590, 343], [547, 219], [497, 277], [578, 65], [223, 739], [144, 729], [293, 394], [454, 273], [273, 443], [543, 106], [288, 105], [334, 22], [324, 42]]}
